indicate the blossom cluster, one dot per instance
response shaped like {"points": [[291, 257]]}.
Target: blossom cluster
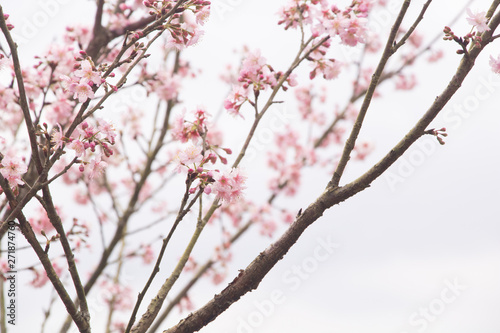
{"points": [[185, 130], [118, 295], [255, 75], [227, 185], [185, 27], [287, 160], [326, 22], [349, 24], [84, 141], [82, 81], [201, 153], [329, 67], [9, 25], [12, 168], [479, 23], [165, 82]]}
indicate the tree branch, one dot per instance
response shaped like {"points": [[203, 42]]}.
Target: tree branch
{"points": [[23, 102], [156, 303], [388, 52], [250, 278], [70, 258]]}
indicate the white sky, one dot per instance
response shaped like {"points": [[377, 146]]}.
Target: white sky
{"points": [[399, 245]]}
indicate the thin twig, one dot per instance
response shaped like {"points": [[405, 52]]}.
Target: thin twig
{"points": [[23, 102], [351, 141], [156, 269]]}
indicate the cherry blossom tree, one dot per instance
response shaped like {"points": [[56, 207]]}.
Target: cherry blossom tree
{"points": [[92, 190]]}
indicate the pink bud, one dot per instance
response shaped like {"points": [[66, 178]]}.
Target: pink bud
{"points": [[81, 168]]}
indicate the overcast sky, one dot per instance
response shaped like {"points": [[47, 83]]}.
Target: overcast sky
{"points": [[418, 251]]}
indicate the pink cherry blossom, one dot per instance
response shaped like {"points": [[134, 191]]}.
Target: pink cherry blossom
{"points": [[336, 26], [435, 55], [187, 31], [120, 295], [495, 64], [12, 168], [41, 278], [188, 157], [60, 110], [294, 13], [186, 128], [166, 85], [405, 82], [330, 68], [107, 129], [191, 155], [66, 81], [57, 137], [4, 268], [229, 185], [42, 222], [87, 74], [479, 20], [148, 254], [203, 15], [97, 168], [355, 32], [82, 91], [253, 62], [8, 24], [292, 80], [268, 227], [363, 149], [78, 147], [237, 97]]}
